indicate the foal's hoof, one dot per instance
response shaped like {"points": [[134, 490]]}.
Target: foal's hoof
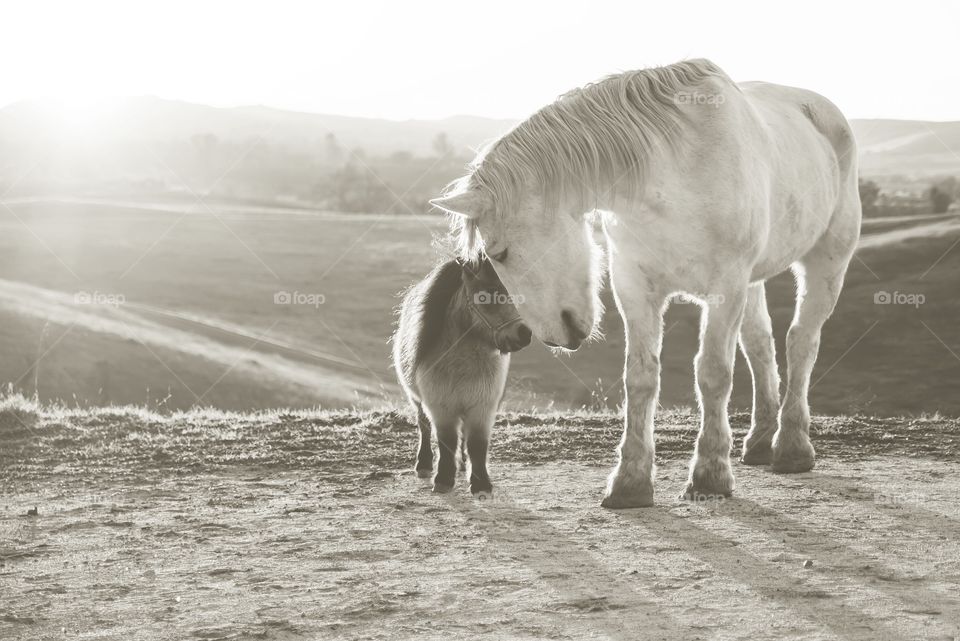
{"points": [[424, 473], [440, 488]]}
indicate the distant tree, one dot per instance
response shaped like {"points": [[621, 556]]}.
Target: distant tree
{"points": [[940, 199], [869, 191], [332, 152], [441, 144], [950, 185]]}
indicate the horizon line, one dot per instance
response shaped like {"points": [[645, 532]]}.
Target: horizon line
{"points": [[294, 110]]}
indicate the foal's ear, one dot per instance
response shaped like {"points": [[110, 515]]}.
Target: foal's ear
{"points": [[470, 203]]}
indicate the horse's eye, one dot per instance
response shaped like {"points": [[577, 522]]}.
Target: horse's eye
{"points": [[499, 256]]}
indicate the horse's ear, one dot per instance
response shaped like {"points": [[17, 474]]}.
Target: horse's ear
{"points": [[469, 203]]}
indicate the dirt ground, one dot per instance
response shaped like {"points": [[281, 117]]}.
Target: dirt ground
{"points": [[290, 526]]}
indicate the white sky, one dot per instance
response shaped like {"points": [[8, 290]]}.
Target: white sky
{"points": [[408, 59]]}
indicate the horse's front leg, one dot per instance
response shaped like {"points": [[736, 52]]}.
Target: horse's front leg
{"points": [[710, 472], [631, 482]]}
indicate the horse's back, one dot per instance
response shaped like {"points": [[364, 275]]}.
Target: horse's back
{"points": [[804, 112], [810, 154]]}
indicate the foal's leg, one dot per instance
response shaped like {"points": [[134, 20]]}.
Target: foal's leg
{"points": [[710, 473], [819, 280], [756, 342], [476, 432], [463, 452], [424, 465], [447, 437], [641, 307]]}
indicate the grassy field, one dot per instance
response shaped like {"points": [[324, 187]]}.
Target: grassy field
{"points": [[120, 523], [198, 323]]}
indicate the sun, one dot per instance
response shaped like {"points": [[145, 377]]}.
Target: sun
{"points": [[78, 116]]}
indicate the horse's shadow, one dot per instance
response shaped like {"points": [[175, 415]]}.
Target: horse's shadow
{"points": [[585, 584]]}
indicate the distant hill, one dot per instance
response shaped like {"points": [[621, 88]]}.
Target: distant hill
{"points": [[155, 120], [107, 143], [908, 147]]}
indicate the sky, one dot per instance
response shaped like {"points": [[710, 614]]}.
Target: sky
{"points": [[409, 59]]}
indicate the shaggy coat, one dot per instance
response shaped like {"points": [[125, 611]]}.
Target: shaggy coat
{"points": [[452, 348]]}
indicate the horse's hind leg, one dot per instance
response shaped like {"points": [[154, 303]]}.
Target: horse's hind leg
{"points": [[756, 342], [424, 464], [819, 280], [710, 473]]}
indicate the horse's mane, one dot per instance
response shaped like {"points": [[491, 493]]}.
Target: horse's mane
{"points": [[590, 138]]}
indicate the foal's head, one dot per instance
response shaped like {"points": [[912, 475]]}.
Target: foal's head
{"points": [[493, 307], [548, 260]]}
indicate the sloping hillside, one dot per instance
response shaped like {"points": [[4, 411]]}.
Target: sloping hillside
{"points": [[200, 294], [908, 147]]}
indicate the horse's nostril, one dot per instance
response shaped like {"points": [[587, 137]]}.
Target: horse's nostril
{"points": [[576, 334], [524, 334]]}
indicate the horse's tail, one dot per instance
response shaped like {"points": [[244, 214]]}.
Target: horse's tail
{"points": [[831, 123]]}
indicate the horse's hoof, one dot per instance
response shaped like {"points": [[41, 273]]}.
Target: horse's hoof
{"points": [[483, 495], [424, 473], [759, 455], [624, 501], [793, 458], [792, 465], [440, 488]]}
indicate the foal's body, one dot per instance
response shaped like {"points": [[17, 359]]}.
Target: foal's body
{"points": [[709, 188], [452, 359]]}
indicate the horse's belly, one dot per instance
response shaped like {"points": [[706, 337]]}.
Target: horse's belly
{"points": [[792, 235]]}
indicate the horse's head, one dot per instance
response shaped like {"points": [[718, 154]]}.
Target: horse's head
{"points": [[546, 259], [494, 307]]}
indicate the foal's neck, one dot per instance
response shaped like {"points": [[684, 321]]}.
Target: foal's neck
{"points": [[461, 319]]}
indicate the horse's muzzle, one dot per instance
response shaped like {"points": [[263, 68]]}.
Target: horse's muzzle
{"points": [[575, 335], [514, 338]]}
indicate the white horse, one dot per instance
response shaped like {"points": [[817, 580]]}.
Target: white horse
{"points": [[707, 188]]}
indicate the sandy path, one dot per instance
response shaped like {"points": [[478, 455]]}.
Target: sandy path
{"points": [[245, 554]]}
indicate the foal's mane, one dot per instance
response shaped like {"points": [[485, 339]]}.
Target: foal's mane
{"points": [[438, 289], [590, 139]]}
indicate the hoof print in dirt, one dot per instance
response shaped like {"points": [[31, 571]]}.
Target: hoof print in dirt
{"points": [[483, 495]]}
